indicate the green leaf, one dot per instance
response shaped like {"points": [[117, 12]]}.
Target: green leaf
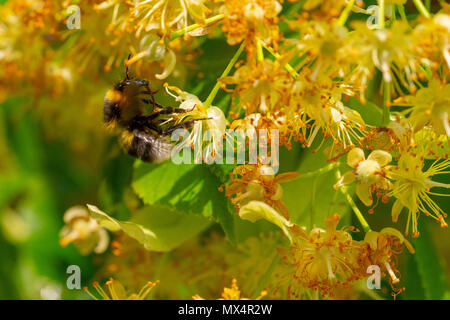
{"points": [[191, 189], [117, 173], [369, 111], [412, 280], [157, 229], [429, 266], [11, 187], [311, 199]]}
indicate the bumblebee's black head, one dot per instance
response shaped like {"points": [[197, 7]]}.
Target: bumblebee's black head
{"points": [[127, 81], [123, 102], [130, 82]]}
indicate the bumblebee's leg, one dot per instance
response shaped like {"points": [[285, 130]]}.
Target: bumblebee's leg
{"points": [[165, 110], [148, 121], [145, 121], [169, 110], [184, 125], [152, 102], [145, 84], [149, 91], [142, 83]]}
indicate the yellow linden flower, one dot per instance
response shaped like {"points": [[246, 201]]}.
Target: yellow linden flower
{"points": [[323, 260], [260, 88], [322, 44], [84, 231], [169, 14], [434, 146], [431, 107], [28, 30], [161, 15], [388, 50], [369, 173], [286, 122], [329, 261], [110, 37], [412, 189], [313, 4], [399, 136], [117, 291], [211, 120], [319, 102], [258, 182], [322, 9], [232, 293], [431, 39], [381, 247], [251, 19], [105, 43]]}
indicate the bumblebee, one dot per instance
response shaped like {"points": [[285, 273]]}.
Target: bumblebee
{"points": [[144, 136]]}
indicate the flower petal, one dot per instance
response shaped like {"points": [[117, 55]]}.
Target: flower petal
{"points": [[170, 60], [347, 178], [380, 156], [354, 157], [287, 176], [362, 191], [372, 239], [399, 235], [257, 210], [331, 223], [396, 210]]}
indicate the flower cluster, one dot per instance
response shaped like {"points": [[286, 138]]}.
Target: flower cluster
{"points": [[323, 84], [329, 260]]}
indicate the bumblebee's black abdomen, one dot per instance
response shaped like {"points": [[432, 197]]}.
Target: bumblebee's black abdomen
{"points": [[146, 146]]}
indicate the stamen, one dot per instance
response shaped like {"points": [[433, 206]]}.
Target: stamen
{"points": [[391, 273]]}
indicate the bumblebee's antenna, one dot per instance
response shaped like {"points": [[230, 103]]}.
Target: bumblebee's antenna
{"points": [[127, 66]]}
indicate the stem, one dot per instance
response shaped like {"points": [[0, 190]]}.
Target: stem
{"points": [[194, 26], [227, 70], [381, 14], [386, 102], [401, 9], [420, 6], [259, 51], [345, 13], [352, 204], [287, 66], [322, 170]]}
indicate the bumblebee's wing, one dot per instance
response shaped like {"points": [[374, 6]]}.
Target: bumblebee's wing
{"points": [[146, 146]]}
